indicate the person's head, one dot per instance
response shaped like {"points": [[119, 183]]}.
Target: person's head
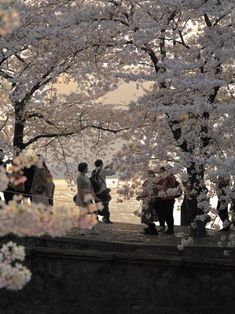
{"points": [[99, 163], [41, 158], [1, 154], [224, 180], [83, 167], [162, 170]]}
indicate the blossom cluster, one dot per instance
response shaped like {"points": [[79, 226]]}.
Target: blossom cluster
{"points": [[24, 218], [30, 219], [9, 20], [13, 275], [35, 219], [25, 159], [184, 242], [4, 180]]}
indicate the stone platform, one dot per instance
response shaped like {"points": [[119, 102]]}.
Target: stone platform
{"points": [[117, 269], [121, 240]]}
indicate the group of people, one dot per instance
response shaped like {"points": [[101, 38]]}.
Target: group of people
{"points": [[96, 186], [158, 195], [38, 186]]}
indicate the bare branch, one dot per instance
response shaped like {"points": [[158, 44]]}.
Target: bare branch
{"points": [[38, 115], [19, 58], [4, 124], [207, 20], [182, 39], [51, 135], [108, 129], [73, 132]]}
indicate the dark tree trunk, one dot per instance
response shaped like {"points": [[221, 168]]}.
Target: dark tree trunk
{"points": [[18, 139], [197, 188], [195, 175]]}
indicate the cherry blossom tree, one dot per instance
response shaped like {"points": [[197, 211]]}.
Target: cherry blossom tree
{"points": [[35, 51], [52, 40], [186, 48]]}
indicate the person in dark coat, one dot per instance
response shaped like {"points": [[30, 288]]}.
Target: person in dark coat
{"points": [[103, 194], [29, 174]]}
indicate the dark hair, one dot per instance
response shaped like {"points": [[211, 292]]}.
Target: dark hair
{"points": [[82, 166], [98, 163], [163, 169]]}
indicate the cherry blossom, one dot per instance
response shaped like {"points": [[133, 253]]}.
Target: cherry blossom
{"points": [[22, 218], [13, 274]]}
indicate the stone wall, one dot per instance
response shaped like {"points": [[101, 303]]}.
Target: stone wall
{"points": [[69, 281]]}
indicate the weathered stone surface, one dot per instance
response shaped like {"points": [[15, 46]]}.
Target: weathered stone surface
{"points": [[86, 274]]}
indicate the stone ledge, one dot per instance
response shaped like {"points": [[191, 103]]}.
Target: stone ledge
{"points": [[119, 239], [99, 256]]}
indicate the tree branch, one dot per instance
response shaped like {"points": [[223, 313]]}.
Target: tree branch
{"points": [[219, 19], [38, 115], [207, 20], [52, 135], [108, 129], [70, 133], [4, 124]]}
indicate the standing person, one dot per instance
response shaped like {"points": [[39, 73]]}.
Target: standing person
{"points": [[51, 187], [84, 186], [149, 214], [10, 190], [29, 174], [40, 188], [222, 205], [100, 173], [2, 164], [165, 203]]}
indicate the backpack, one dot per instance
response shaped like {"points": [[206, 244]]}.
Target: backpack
{"points": [[96, 180]]}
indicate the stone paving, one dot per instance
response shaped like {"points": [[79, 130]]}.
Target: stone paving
{"points": [[127, 239], [132, 233]]}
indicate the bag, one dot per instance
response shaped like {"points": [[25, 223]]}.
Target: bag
{"points": [[40, 189], [95, 182]]}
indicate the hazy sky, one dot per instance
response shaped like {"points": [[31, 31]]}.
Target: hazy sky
{"points": [[125, 93]]}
